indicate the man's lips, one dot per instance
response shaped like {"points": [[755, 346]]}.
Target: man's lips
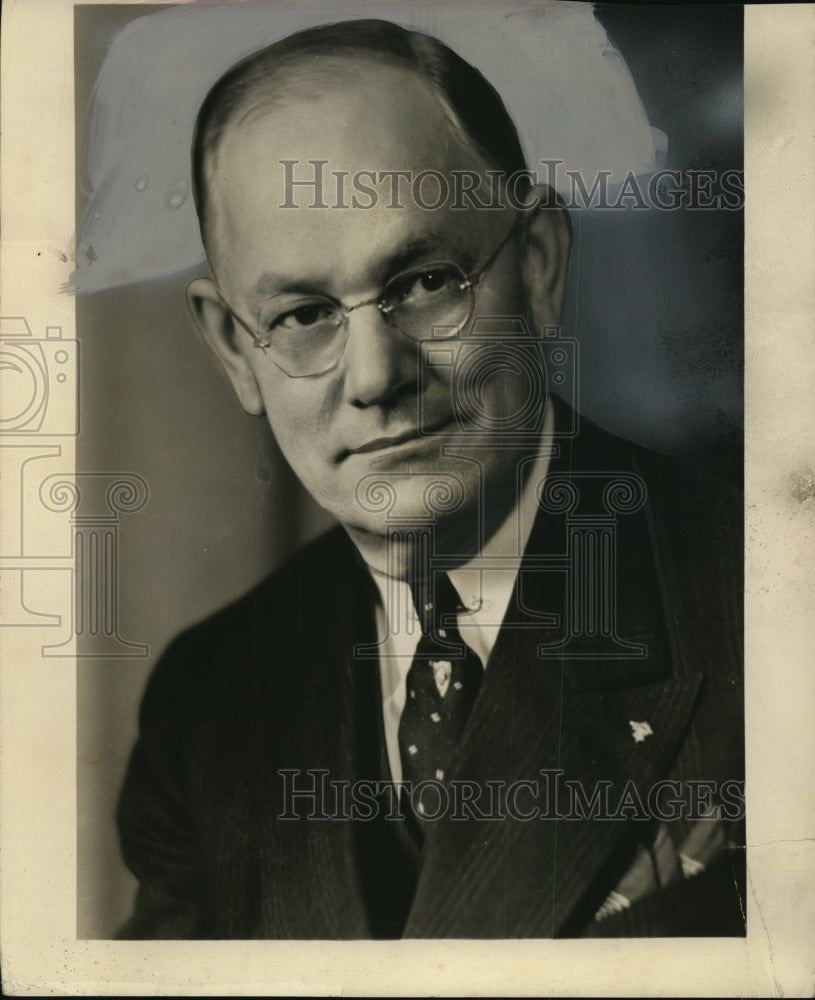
{"points": [[394, 440]]}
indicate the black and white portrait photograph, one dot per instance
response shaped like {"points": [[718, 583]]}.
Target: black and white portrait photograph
{"points": [[391, 523]]}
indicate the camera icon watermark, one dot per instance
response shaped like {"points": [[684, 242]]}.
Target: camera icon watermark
{"points": [[499, 376], [40, 380], [40, 551]]}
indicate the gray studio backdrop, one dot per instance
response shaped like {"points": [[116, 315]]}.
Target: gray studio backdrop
{"points": [[655, 303]]}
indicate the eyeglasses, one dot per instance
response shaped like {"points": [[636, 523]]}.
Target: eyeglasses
{"points": [[307, 337]]}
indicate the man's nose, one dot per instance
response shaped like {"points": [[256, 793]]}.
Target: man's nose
{"points": [[379, 361]]}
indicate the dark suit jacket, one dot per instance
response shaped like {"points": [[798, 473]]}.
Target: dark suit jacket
{"points": [[272, 684]]}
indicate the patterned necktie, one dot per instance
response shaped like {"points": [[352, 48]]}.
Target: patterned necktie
{"points": [[441, 687]]}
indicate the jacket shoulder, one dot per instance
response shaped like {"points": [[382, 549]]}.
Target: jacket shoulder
{"points": [[306, 577], [687, 493], [263, 630]]}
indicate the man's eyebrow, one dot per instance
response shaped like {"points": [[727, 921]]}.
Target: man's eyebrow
{"points": [[417, 249], [271, 284]]}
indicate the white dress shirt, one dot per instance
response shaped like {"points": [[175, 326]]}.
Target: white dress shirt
{"points": [[484, 589]]}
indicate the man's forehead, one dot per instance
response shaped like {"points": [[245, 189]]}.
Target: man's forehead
{"points": [[374, 121], [357, 117]]}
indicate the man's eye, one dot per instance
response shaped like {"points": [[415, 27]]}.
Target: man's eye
{"points": [[425, 284], [433, 281], [304, 316]]}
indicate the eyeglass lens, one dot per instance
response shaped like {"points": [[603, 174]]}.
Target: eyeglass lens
{"points": [[307, 336]]}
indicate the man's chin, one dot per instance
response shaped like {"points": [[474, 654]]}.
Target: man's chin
{"points": [[413, 492], [387, 541]]}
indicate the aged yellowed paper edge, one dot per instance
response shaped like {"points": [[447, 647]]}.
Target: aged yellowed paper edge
{"points": [[40, 953]]}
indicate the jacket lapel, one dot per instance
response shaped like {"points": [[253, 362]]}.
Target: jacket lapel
{"points": [[557, 715]]}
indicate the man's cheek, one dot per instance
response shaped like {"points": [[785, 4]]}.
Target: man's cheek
{"points": [[437, 379], [290, 415], [296, 437]]}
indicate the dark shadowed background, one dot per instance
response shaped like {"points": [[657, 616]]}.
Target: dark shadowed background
{"points": [[655, 302]]}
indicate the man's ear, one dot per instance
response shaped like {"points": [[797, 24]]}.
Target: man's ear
{"points": [[221, 335], [546, 259]]}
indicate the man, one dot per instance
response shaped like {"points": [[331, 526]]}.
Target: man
{"points": [[503, 698]]}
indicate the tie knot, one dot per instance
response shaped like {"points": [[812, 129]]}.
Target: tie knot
{"points": [[436, 601]]}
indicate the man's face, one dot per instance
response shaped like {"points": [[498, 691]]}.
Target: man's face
{"points": [[375, 412]]}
